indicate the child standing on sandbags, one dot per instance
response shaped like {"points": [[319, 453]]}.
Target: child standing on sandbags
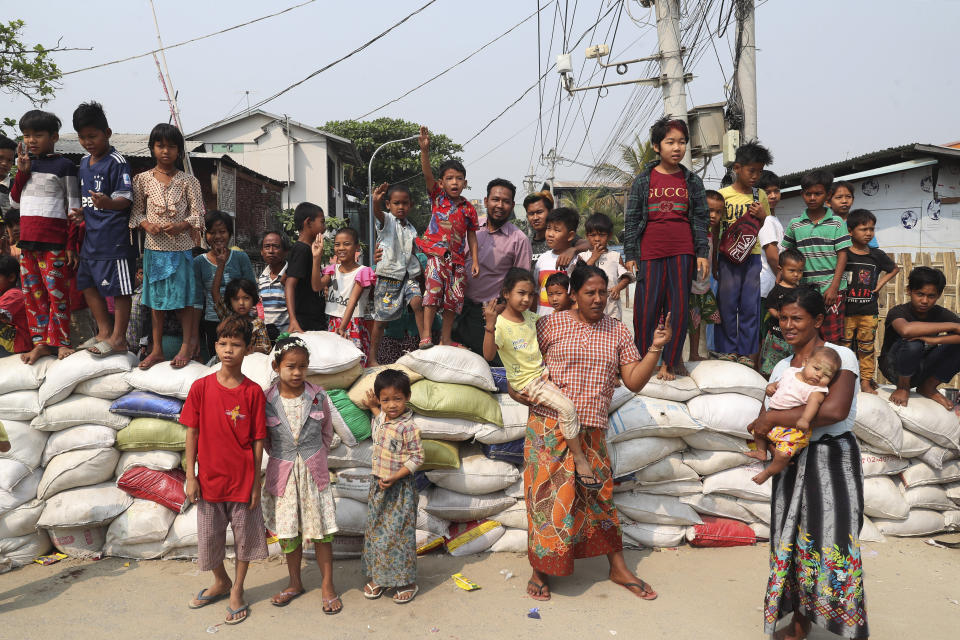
{"points": [[298, 502], [390, 545], [224, 416]]}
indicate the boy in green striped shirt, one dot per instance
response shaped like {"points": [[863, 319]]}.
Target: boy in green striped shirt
{"points": [[821, 237]]}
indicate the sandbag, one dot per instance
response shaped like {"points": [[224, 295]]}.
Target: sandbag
{"points": [[12, 472], [446, 400], [94, 505], [84, 436], [681, 389], [439, 455], [712, 441], [452, 429], [706, 463], [932, 496], [759, 510], [329, 353], [720, 532], [500, 379], [354, 483], [256, 366], [651, 509], [881, 464], [738, 482], [26, 444], [119, 548], [929, 419], [80, 468], [459, 507], [936, 456], [340, 380], [718, 376], [160, 460], [346, 546], [150, 434], [427, 542], [920, 522], [869, 532], [651, 535], [621, 396], [718, 505], [145, 521], [163, 379], [183, 535], [466, 538], [15, 375], [84, 543], [20, 405], [670, 469], [727, 413], [477, 475], [358, 391], [21, 550], [343, 457], [356, 418], [953, 491], [920, 473], [351, 516], [64, 375], [165, 488], [514, 516], [643, 416], [429, 522], [878, 424], [515, 490], [675, 489], [951, 520], [77, 410], [450, 364], [513, 413], [913, 445], [492, 434], [882, 499], [511, 452], [24, 489], [761, 530], [144, 404], [632, 455], [108, 387], [512, 541], [22, 520]]}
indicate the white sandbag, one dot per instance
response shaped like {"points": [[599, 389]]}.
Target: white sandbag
{"points": [[477, 475], [621, 396], [459, 507], [329, 353], [94, 505], [450, 429], [351, 516], [450, 364], [23, 490], [643, 416], [882, 499], [80, 468], [706, 463], [641, 507], [145, 521], [363, 384], [256, 366], [953, 491], [920, 522], [681, 389], [928, 418], [475, 539], [15, 375], [644, 534], [514, 414], [515, 490], [21, 520], [20, 405], [425, 537], [727, 413], [84, 436], [738, 482], [431, 523], [162, 378], [936, 456], [878, 424], [354, 483], [919, 473], [108, 387], [514, 516], [118, 548], [183, 535], [712, 441], [881, 464], [951, 520], [344, 457], [632, 455], [931, 496], [12, 472], [492, 434], [26, 444], [64, 375], [913, 445], [512, 541], [758, 509], [77, 410], [675, 489], [869, 532], [718, 376], [21, 550], [670, 469], [760, 530], [84, 542], [345, 546], [157, 460], [720, 506]]}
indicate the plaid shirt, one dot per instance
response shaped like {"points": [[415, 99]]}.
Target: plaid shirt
{"points": [[450, 222], [636, 216], [396, 444], [584, 361], [260, 342]]}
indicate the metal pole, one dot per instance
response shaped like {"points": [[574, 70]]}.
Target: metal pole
{"points": [[671, 64], [747, 69], [372, 234], [172, 92]]}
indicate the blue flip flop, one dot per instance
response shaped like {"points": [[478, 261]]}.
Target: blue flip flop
{"points": [[205, 600], [233, 612]]}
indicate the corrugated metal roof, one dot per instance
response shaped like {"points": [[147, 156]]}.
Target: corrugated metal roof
{"points": [[128, 144], [876, 160]]}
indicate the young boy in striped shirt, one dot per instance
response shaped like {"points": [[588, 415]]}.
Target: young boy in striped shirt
{"points": [[821, 237]]}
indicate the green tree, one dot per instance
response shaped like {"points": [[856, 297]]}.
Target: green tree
{"points": [[397, 162], [26, 71], [600, 200], [633, 158]]}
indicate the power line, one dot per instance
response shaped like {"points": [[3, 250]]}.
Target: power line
{"points": [[180, 44]]}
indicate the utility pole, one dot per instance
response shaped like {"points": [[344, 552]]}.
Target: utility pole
{"points": [[747, 69], [551, 158], [168, 86], [671, 64]]}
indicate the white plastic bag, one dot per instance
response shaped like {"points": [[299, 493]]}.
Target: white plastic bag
{"points": [[929, 419], [719, 506], [15, 375], [450, 429], [22, 520], [670, 469], [680, 389], [83, 542], [712, 441], [644, 534], [157, 460]]}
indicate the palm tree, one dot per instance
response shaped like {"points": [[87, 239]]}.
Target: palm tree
{"points": [[633, 159], [600, 200]]}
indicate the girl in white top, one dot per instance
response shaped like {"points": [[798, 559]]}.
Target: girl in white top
{"points": [[599, 228], [348, 287]]}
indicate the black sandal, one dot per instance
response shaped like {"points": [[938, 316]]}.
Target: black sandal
{"points": [[592, 486]]}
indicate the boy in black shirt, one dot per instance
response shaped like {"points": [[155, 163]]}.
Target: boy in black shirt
{"points": [[864, 264], [305, 305], [921, 346], [774, 348]]}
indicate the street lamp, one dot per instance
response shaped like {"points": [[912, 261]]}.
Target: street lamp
{"points": [[370, 193]]}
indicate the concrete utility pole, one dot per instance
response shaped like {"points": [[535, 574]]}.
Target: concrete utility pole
{"points": [[551, 158], [747, 69], [671, 64], [168, 85]]}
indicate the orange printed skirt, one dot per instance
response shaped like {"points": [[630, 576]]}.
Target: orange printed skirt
{"points": [[565, 521]]}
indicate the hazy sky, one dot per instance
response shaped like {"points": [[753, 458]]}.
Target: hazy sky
{"points": [[835, 79]]}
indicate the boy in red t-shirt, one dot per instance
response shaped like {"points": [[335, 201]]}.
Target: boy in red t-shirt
{"points": [[14, 334], [226, 426], [452, 219]]}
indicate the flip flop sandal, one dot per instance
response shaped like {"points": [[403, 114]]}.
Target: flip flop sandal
{"points": [[727, 357], [328, 606], [374, 592], [205, 600], [425, 344], [290, 597], [745, 361], [233, 612], [539, 593], [592, 486], [103, 349], [643, 586], [86, 344], [413, 594]]}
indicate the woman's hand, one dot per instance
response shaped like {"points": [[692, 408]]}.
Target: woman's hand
{"points": [[631, 266], [759, 426], [663, 333]]}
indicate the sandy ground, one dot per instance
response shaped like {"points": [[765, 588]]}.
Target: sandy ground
{"points": [[912, 589]]}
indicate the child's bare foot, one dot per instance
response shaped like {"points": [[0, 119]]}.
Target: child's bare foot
{"points": [[759, 455], [63, 352], [929, 390], [38, 351], [665, 374], [900, 397], [152, 359], [695, 357], [866, 386], [679, 370], [372, 362], [762, 477]]}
